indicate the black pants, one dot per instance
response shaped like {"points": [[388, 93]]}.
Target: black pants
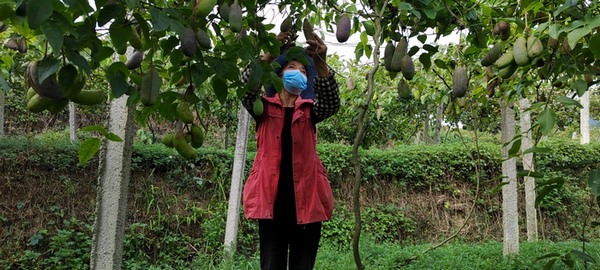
{"points": [[276, 237]]}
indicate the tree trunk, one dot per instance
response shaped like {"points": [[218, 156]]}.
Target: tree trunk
{"points": [[237, 175], [426, 126], [72, 122], [510, 215], [2, 104], [528, 164], [418, 137], [438, 123], [585, 118], [361, 130]]}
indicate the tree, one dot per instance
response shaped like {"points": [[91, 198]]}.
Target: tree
{"points": [[176, 70]]}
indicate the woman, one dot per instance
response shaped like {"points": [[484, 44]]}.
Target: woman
{"points": [[287, 190]]}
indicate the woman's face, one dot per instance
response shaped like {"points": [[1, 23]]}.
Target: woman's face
{"points": [[294, 65]]}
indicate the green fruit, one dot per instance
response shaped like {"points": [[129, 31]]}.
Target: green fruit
{"points": [[399, 52], [22, 45], [58, 105], [30, 93], [286, 25], [503, 26], [49, 88], [343, 28], [492, 55], [90, 97], [257, 106], [151, 83], [505, 60], [75, 87], [182, 146], [135, 40], [68, 77], [460, 82], [203, 39], [235, 17], [504, 35], [308, 29], [38, 104], [167, 140], [388, 55], [520, 51], [508, 71], [184, 113], [12, 44], [552, 43], [224, 11], [534, 47], [197, 136], [403, 90], [188, 43], [204, 7], [135, 61], [565, 48], [407, 67]]}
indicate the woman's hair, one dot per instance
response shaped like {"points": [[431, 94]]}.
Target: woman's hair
{"points": [[311, 74]]}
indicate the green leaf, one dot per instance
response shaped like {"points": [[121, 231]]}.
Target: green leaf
{"points": [[119, 33], [117, 78], [54, 34], [425, 60], [440, 63], [585, 257], [369, 27], [514, 148], [580, 87], [6, 12], [568, 261], [554, 31], [38, 11], [100, 129], [497, 188], [88, 149], [113, 137], [220, 88], [109, 12], [80, 61], [594, 45], [546, 256], [541, 150], [575, 35], [568, 101], [430, 12], [596, 223], [160, 20], [547, 119], [549, 264], [47, 67], [594, 182]]}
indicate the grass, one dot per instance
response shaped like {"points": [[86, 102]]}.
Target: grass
{"points": [[451, 256]]}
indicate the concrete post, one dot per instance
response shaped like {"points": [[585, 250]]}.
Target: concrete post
{"points": [[237, 180], [510, 214], [72, 122], [584, 121], [528, 164], [113, 188]]}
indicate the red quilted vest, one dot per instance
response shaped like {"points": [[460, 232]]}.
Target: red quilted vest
{"points": [[314, 199]]}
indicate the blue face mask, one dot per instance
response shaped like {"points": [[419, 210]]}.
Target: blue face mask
{"points": [[294, 81]]}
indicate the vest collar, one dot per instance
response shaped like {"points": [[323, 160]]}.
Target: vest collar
{"points": [[277, 100]]}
